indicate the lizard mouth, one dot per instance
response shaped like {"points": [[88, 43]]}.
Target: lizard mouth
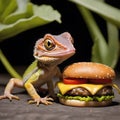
{"points": [[66, 53], [56, 55], [46, 58], [54, 58]]}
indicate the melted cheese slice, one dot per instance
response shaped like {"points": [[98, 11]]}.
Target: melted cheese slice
{"points": [[92, 88]]}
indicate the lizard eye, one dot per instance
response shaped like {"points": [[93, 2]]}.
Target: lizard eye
{"points": [[49, 44]]}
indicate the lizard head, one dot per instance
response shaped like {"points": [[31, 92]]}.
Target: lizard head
{"points": [[54, 48]]}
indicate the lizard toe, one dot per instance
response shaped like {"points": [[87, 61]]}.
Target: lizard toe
{"points": [[2, 97], [9, 96], [45, 100]]}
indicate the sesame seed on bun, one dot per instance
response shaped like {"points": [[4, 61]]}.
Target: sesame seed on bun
{"points": [[89, 70]]}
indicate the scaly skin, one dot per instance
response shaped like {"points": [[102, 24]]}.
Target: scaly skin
{"points": [[48, 52]]}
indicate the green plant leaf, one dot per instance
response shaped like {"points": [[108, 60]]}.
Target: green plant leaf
{"points": [[106, 11], [103, 52], [42, 15], [49, 14], [100, 48], [113, 42], [8, 66], [24, 10], [7, 7], [3, 5]]}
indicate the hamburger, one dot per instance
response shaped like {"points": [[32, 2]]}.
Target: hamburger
{"points": [[86, 84]]}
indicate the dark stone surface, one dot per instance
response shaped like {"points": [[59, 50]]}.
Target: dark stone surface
{"points": [[19, 110]]}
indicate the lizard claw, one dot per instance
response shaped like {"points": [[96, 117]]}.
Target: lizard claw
{"points": [[46, 100], [9, 96]]}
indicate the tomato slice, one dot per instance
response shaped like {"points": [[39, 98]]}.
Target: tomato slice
{"points": [[100, 81], [74, 81]]}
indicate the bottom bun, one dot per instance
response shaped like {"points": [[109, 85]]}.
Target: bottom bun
{"points": [[84, 103]]}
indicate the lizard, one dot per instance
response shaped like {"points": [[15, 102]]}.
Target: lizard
{"points": [[49, 52]]}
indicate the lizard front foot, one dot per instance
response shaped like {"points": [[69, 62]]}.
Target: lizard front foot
{"points": [[9, 96], [46, 100]]}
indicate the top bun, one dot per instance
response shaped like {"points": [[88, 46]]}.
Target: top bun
{"points": [[89, 70]]}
